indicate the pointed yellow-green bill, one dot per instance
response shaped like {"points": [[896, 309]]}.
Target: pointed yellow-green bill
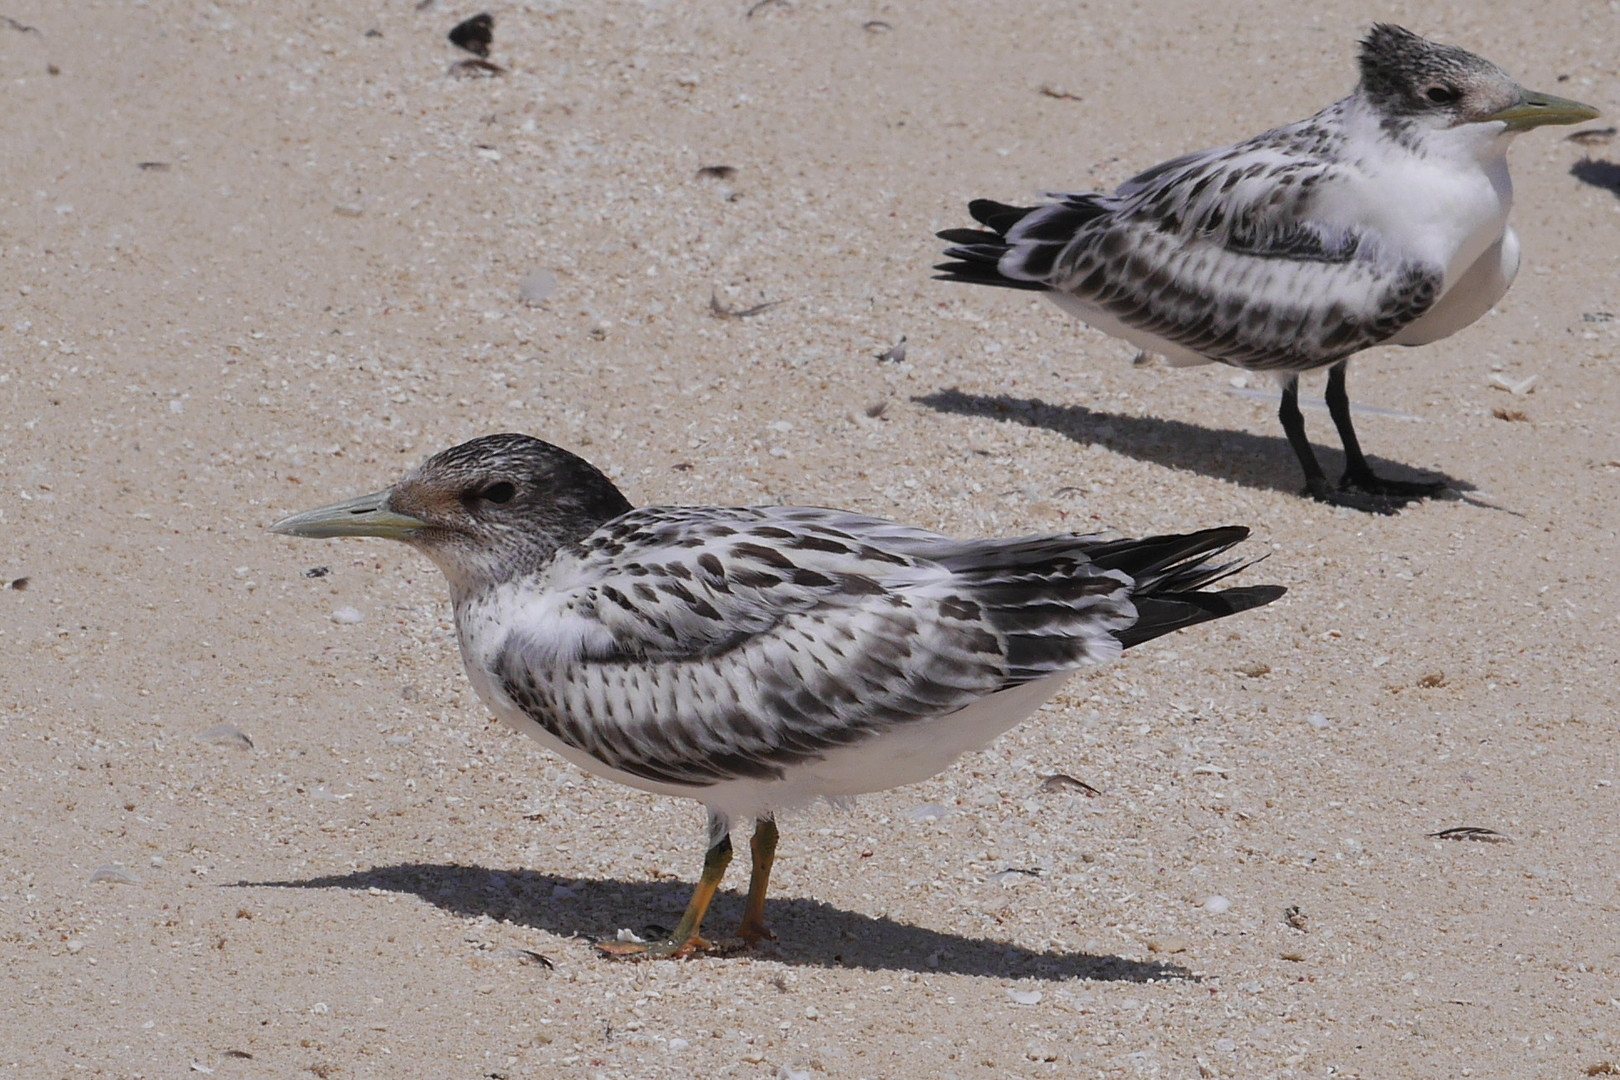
{"points": [[369, 515], [1534, 109]]}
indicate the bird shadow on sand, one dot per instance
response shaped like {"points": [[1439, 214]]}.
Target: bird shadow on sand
{"points": [[809, 932], [1256, 461], [1598, 173]]}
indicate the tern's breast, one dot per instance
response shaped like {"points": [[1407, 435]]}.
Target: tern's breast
{"points": [[1443, 201]]}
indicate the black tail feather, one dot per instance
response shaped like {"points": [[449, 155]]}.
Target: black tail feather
{"points": [[998, 216], [1040, 242], [979, 252], [1175, 563], [1163, 613], [972, 237], [975, 271], [1171, 574], [1039, 591]]}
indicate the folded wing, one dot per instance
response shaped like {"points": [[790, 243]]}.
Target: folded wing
{"points": [[694, 646], [1213, 256]]}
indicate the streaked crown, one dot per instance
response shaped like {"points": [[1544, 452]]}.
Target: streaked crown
{"points": [[1404, 75]]}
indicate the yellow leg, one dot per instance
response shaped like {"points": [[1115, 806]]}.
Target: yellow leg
{"points": [[764, 848], [685, 940]]}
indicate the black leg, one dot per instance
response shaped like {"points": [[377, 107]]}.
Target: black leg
{"points": [[1293, 425], [1338, 403], [1316, 481], [1358, 475]]}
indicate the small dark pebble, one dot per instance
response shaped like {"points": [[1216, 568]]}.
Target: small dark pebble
{"points": [[1471, 832], [317, 571], [474, 34], [240, 1055], [529, 956], [1065, 782], [1597, 316], [1143, 358], [374, 32], [1591, 136], [682, 466], [717, 172], [152, 166], [18, 584], [52, 69]]}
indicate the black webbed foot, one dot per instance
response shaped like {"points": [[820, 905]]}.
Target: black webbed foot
{"points": [[1367, 482], [1324, 492]]}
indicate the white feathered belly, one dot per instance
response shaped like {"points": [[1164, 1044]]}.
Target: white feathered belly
{"points": [[1475, 293], [903, 754]]}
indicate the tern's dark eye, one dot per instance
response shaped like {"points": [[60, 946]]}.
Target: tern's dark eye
{"points": [[1442, 95], [498, 493]]}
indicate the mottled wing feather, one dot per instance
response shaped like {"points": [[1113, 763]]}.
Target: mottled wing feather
{"points": [[739, 642], [1218, 253]]}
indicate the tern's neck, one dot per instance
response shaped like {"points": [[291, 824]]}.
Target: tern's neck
{"points": [[474, 573], [1482, 145]]}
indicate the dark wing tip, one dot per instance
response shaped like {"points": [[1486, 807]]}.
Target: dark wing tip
{"points": [[1158, 614], [998, 216], [1177, 561], [970, 236], [1172, 575], [976, 272], [1248, 596], [978, 257]]}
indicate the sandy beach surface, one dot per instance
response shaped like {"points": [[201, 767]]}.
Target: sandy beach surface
{"points": [[256, 257]]}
